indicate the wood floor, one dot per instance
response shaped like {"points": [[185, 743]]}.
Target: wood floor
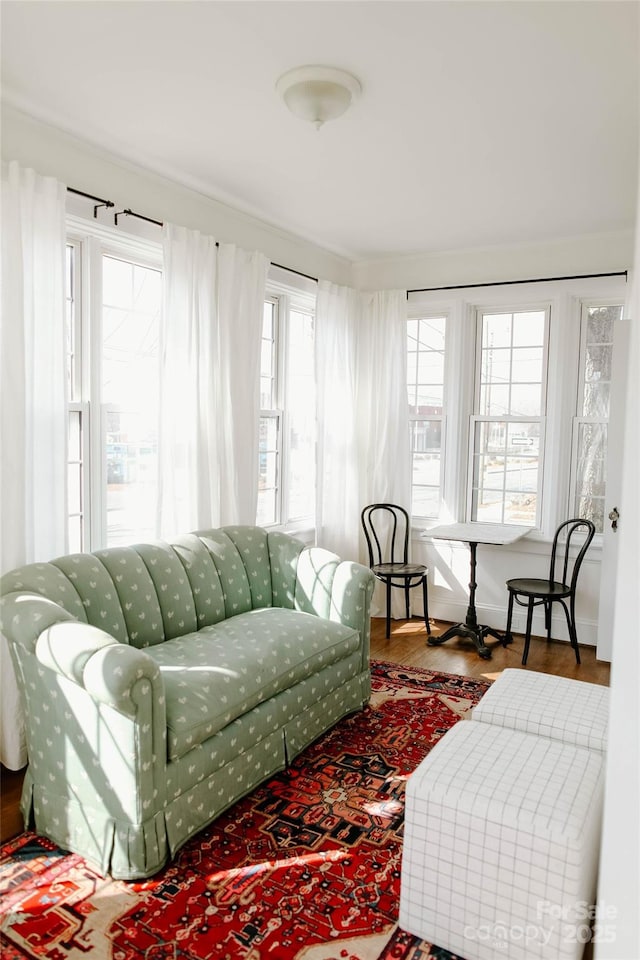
{"points": [[407, 645]]}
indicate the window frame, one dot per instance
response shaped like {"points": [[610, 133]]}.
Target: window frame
{"points": [[77, 406], [92, 241], [305, 305], [476, 418], [289, 297], [565, 298], [276, 411], [435, 418]]}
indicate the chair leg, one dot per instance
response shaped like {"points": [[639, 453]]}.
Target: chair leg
{"points": [[425, 606], [527, 639], [547, 618], [507, 634], [406, 601], [388, 609], [573, 633]]}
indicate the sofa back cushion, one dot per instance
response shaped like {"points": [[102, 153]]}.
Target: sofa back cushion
{"points": [[97, 590], [204, 579], [172, 588], [233, 576], [136, 593], [148, 593], [284, 552], [252, 544]]}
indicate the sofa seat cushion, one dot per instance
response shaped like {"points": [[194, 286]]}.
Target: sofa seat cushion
{"points": [[222, 671]]}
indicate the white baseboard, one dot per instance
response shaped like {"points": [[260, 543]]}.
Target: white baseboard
{"points": [[496, 617]]}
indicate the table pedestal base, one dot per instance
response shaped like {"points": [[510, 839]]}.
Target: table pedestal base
{"points": [[471, 629], [474, 632]]}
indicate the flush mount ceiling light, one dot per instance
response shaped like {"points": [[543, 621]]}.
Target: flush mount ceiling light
{"points": [[318, 94]]}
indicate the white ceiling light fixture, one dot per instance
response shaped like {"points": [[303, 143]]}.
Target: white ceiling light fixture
{"points": [[318, 94]]}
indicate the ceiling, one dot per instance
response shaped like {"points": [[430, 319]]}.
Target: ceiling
{"points": [[480, 123]]}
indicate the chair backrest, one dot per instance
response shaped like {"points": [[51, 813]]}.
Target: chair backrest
{"points": [[386, 528], [562, 544]]}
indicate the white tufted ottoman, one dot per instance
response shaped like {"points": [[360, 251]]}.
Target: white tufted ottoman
{"points": [[568, 710], [501, 845]]}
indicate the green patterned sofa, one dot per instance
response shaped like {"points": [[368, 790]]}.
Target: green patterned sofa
{"points": [[162, 682]]}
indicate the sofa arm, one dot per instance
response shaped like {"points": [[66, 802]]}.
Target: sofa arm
{"points": [[111, 672], [24, 615], [339, 590], [96, 730], [351, 593]]}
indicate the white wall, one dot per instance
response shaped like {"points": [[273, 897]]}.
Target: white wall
{"points": [[78, 164], [448, 563], [601, 253], [54, 153]]}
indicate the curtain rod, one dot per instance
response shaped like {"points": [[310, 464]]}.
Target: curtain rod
{"points": [[127, 212], [505, 283], [101, 202]]}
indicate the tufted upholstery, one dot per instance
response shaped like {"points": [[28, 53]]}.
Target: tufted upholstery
{"points": [[162, 682]]}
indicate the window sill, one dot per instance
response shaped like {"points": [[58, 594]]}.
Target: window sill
{"points": [[534, 543]]}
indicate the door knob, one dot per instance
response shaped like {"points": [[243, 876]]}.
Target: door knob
{"points": [[614, 516]]}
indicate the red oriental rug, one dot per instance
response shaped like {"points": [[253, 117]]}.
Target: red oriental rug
{"points": [[307, 867]]}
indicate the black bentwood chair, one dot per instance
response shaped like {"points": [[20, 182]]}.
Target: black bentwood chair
{"points": [[387, 522], [548, 592]]}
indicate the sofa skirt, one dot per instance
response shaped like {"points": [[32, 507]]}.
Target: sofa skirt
{"points": [[125, 850], [200, 804], [128, 851]]}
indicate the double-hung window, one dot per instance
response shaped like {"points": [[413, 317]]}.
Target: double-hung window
{"points": [[129, 385], [523, 411], [286, 486], [425, 394], [113, 316], [113, 319], [270, 448], [78, 450], [507, 428]]}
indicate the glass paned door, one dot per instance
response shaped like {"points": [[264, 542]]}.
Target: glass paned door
{"points": [[592, 421]]}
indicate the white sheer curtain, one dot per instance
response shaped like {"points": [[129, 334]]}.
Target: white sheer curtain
{"points": [[242, 280], [363, 428], [382, 399], [188, 488], [33, 420], [209, 382], [338, 468]]}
